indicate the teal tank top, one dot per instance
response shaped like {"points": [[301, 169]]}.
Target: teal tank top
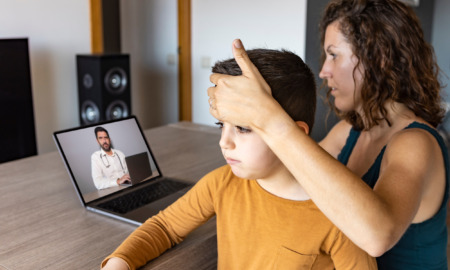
{"points": [[424, 245]]}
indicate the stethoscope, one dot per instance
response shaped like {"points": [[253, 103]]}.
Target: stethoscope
{"points": [[108, 165]]}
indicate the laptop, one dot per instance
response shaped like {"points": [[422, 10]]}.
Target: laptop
{"points": [[138, 167], [149, 191]]}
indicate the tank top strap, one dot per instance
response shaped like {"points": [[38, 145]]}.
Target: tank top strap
{"points": [[347, 150]]}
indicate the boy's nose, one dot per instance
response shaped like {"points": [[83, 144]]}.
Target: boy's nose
{"points": [[226, 140]]}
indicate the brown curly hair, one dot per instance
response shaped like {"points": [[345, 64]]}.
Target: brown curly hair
{"points": [[399, 65]]}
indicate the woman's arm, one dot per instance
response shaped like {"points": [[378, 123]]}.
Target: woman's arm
{"points": [[372, 219]]}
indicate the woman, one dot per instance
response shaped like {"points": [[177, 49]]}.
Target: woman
{"points": [[390, 198]]}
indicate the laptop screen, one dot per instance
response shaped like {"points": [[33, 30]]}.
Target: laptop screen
{"points": [[95, 163]]}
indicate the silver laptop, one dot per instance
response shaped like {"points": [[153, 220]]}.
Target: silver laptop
{"points": [[149, 193]]}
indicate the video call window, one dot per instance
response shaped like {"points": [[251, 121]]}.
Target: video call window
{"points": [[84, 158]]}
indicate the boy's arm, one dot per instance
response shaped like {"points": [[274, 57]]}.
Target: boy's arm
{"points": [[346, 255], [170, 226], [116, 264]]}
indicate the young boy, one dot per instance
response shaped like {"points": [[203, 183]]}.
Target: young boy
{"points": [[265, 220]]}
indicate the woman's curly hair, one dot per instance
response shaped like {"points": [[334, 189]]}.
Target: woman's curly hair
{"points": [[398, 63]]}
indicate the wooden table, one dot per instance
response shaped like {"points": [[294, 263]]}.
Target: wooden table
{"points": [[44, 226]]}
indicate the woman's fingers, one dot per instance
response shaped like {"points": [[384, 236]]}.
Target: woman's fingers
{"points": [[233, 96], [241, 57], [215, 77]]}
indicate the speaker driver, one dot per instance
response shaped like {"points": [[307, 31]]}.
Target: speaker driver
{"points": [[117, 109], [89, 112], [88, 81], [116, 80]]}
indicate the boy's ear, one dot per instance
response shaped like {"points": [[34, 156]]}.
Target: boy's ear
{"points": [[303, 126]]}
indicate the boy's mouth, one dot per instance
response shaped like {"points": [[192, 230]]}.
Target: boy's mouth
{"points": [[231, 161]]}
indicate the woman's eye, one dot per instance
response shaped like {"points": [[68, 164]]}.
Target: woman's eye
{"points": [[331, 54], [219, 124], [243, 130]]}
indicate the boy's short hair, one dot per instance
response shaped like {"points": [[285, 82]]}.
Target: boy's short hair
{"points": [[292, 82]]}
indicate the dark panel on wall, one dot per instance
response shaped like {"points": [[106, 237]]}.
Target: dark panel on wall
{"points": [[425, 12], [17, 135], [111, 26], [323, 122]]}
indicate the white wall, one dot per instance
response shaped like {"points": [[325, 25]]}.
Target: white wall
{"points": [[57, 30], [149, 33], [265, 23]]}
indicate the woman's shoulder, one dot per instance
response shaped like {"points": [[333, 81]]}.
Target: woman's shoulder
{"points": [[336, 138], [417, 133], [415, 160], [417, 140]]}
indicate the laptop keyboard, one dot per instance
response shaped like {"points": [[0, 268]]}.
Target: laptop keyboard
{"points": [[143, 196]]}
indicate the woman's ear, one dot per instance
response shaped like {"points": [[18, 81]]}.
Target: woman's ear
{"points": [[303, 126]]}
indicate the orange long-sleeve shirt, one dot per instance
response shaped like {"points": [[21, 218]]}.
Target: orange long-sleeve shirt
{"points": [[255, 229]]}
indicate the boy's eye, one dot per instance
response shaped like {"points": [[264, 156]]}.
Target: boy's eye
{"points": [[219, 124], [243, 130]]}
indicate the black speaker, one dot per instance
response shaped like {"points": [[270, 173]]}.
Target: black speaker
{"points": [[104, 91], [17, 137]]}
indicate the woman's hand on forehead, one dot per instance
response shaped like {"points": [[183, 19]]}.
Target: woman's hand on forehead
{"points": [[238, 99]]}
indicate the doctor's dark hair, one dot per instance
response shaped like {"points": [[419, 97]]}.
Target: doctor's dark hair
{"points": [[290, 79], [397, 63], [100, 129]]}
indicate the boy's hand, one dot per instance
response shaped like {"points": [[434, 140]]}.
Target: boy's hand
{"points": [[115, 264]]}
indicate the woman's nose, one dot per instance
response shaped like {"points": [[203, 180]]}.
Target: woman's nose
{"points": [[325, 71]]}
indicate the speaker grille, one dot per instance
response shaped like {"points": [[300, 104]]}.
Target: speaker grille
{"points": [[90, 113], [116, 109], [116, 80], [88, 81]]}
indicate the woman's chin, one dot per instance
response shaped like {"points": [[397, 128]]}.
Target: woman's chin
{"points": [[341, 107]]}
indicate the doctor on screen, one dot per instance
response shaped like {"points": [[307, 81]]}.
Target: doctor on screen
{"points": [[109, 168]]}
